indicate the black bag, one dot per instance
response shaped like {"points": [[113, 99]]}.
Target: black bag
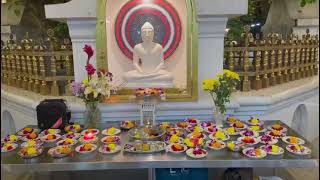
{"points": [[53, 113]]}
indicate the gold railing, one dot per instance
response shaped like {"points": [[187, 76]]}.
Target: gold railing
{"points": [[44, 67], [262, 63]]}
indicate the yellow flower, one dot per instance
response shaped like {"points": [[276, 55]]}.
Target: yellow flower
{"points": [[90, 90], [85, 82], [209, 84], [231, 74]]}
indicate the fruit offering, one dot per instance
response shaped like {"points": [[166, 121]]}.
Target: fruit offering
{"points": [[7, 147], [86, 148], [110, 148], [197, 135], [254, 152], [111, 139], [277, 127], [50, 137], [111, 131], [59, 151], [292, 140], [193, 142], [32, 135], [176, 148], [298, 149], [248, 140], [197, 153], [182, 124], [276, 134], [71, 135], [254, 121], [206, 124], [211, 129], [127, 124], [220, 135], [239, 125], [234, 145], [195, 128], [257, 128], [273, 149], [232, 120], [10, 138], [267, 139], [192, 121], [50, 131], [173, 139], [215, 144], [177, 131], [248, 132], [30, 152], [231, 131], [73, 128], [90, 131], [32, 142], [165, 125], [27, 130], [67, 142]]}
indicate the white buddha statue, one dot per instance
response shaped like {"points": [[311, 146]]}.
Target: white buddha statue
{"points": [[148, 63]]}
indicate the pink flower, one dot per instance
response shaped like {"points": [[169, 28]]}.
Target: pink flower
{"points": [[88, 49], [90, 69]]}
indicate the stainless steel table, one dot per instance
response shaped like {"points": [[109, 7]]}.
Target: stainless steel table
{"points": [[96, 161]]}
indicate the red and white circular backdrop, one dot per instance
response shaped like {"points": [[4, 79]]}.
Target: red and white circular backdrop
{"points": [[160, 13]]}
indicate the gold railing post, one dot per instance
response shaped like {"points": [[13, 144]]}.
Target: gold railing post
{"points": [[265, 80], [272, 63], [279, 64], [54, 89], [246, 82], [292, 65], [68, 91], [257, 82], [44, 90], [303, 62], [285, 65], [316, 56]]}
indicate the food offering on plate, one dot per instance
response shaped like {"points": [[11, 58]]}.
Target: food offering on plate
{"points": [[276, 134], [197, 153], [11, 138], [50, 137], [207, 124], [182, 124], [110, 148], [30, 136], [277, 127], [32, 143], [192, 121], [73, 128], [235, 146], [176, 148], [86, 148], [220, 135], [60, 151], [8, 146], [177, 131], [71, 135], [239, 125], [211, 129], [127, 124], [89, 138], [258, 129], [215, 144], [90, 131], [193, 142], [145, 147], [292, 140], [27, 130], [273, 149], [197, 135], [111, 131], [50, 131], [231, 131], [147, 133], [267, 139], [111, 139], [30, 152], [67, 142], [169, 139], [249, 132], [298, 149], [254, 152], [254, 122], [232, 119], [248, 140], [166, 125], [196, 128]]}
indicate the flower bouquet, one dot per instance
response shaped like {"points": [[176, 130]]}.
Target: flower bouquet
{"points": [[94, 89], [220, 89]]}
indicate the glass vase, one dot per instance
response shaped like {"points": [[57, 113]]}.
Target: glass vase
{"points": [[92, 114], [219, 117]]}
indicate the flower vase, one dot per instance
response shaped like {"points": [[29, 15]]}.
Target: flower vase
{"points": [[92, 115], [218, 116]]}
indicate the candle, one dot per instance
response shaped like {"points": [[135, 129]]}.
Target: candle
{"points": [[88, 136]]}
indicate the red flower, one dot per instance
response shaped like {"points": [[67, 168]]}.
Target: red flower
{"points": [[90, 69], [88, 49]]}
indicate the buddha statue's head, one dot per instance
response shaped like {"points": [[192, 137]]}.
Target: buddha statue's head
{"points": [[147, 32]]}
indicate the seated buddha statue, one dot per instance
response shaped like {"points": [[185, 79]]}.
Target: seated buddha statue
{"points": [[148, 63]]}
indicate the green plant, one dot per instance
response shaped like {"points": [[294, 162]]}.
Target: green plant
{"points": [[303, 3]]}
